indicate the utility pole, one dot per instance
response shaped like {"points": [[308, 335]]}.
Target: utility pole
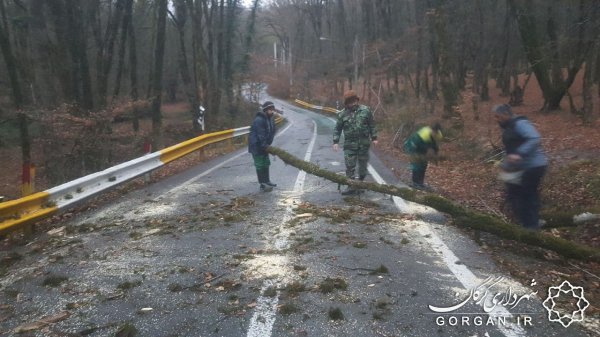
{"points": [[275, 54], [355, 51], [290, 63]]}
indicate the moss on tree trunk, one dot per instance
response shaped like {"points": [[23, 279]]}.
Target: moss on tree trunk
{"points": [[462, 216]]}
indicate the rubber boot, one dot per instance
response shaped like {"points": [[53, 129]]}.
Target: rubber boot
{"points": [[262, 181], [417, 179], [268, 179], [259, 176]]}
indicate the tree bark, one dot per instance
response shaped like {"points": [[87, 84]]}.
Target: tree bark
{"points": [[127, 17], [78, 48], [157, 78], [547, 70], [191, 90], [133, 75], [11, 64], [463, 216], [11, 68]]}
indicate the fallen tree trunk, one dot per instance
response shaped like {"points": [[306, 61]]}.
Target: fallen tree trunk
{"points": [[462, 216]]}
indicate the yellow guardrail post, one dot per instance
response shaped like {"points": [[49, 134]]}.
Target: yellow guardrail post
{"points": [[27, 179]]}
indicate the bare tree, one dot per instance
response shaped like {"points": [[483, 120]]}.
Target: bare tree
{"points": [[544, 50], [157, 77]]}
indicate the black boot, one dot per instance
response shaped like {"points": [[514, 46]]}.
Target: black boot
{"points": [[268, 179], [361, 178], [417, 179], [349, 190], [259, 176], [261, 180]]}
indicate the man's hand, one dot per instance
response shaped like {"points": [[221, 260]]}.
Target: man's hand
{"points": [[336, 147], [513, 158]]}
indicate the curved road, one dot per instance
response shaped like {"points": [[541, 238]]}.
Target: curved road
{"points": [[204, 253]]}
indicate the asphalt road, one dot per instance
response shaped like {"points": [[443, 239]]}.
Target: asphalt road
{"points": [[204, 253]]}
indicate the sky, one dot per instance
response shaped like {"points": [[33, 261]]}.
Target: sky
{"points": [[247, 3]]}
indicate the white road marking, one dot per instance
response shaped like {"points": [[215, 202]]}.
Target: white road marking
{"points": [[263, 319], [299, 185], [261, 323], [462, 273], [212, 169]]}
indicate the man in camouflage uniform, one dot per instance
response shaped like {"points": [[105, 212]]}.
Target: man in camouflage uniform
{"points": [[356, 121]]}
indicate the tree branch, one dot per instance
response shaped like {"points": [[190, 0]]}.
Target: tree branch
{"points": [[462, 216]]}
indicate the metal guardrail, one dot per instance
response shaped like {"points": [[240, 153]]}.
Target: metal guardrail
{"points": [[316, 107], [16, 213]]}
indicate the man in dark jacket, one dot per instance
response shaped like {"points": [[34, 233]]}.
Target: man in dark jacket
{"points": [[526, 162], [261, 136]]}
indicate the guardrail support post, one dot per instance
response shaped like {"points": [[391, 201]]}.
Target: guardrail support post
{"points": [[27, 179], [147, 150]]}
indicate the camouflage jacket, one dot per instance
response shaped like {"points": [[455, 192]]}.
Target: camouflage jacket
{"points": [[358, 126]]}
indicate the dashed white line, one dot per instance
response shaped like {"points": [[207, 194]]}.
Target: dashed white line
{"points": [[460, 271], [263, 319], [212, 169]]}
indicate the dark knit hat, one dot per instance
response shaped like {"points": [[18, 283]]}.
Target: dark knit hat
{"points": [[503, 109], [268, 105]]}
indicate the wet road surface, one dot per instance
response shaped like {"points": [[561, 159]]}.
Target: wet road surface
{"points": [[204, 253]]}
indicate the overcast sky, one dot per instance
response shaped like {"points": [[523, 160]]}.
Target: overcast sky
{"points": [[247, 3]]}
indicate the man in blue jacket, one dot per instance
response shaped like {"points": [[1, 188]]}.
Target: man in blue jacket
{"points": [[525, 157], [261, 136]]}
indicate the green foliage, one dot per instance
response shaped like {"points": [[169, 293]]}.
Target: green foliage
{"points": [[129, 285], [336, 314], [288, 309], [380, 270], [54, 280], [330, 284], [126, 330]]}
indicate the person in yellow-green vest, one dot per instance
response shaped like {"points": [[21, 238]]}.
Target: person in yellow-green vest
{"points": [[417, 146]]}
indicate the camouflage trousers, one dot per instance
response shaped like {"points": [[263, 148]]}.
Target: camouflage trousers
{"points": [[353, 157]]}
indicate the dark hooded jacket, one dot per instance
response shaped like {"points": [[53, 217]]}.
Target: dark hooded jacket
{"points": [[262, 133]]}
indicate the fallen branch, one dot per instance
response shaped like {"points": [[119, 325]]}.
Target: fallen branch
{"points": [[462, 216], [585, 271]]}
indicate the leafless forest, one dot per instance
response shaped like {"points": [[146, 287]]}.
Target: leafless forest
{"points": [[72, 71]]}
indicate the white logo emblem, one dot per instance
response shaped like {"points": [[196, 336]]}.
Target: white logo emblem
{"points": [[565, 288]]}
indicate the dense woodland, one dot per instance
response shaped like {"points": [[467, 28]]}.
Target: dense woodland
{"points": [[435, 45], [90, 63]]}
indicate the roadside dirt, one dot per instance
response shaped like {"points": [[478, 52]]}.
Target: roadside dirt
{"points": [[571, 186]]}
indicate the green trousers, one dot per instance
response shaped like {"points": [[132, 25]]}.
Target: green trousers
{"points": [[261, 161]]}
